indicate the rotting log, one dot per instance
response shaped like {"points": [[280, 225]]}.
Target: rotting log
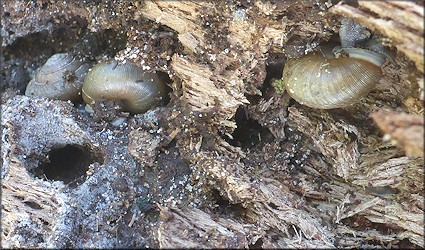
{"points": [[406, 130], [348, 150], [25, 200], [193, 228], [322, 177]]}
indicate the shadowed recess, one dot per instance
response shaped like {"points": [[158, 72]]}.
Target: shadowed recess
{"points": [[68, 164]]}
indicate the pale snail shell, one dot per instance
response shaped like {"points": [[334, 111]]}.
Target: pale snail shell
{"points": [[318, 82], [136, 90], [61, 77]]}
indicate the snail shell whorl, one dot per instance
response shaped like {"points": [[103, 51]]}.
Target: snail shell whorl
{"points": [[323, 83], [61, 77], [138, 91]]}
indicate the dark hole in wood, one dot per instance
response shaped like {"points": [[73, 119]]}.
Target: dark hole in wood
{"points": [[164, 76], [68, 164], [248, 132], [257, 245]]}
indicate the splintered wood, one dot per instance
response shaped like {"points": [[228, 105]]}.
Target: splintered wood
{"points": [[218, 70], [267, 204], [307, 178], [27, 201], [181, 16], [331, 139], [375, 178], [406, 130], [401, 21], [201, 92], [193, 228]]}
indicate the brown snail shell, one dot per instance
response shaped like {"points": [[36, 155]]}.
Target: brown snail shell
{"points": [[61, 77], [136, 90], [318, 82]]}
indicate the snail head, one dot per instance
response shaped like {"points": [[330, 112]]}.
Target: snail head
{"points": [[357, 42]]}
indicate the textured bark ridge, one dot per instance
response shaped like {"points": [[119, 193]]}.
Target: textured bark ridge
{"points": [[230, 160]]}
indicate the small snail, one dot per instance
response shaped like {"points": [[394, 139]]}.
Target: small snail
{"points": [[318, 82], [61, 77], [136, 90], [321, 80]]}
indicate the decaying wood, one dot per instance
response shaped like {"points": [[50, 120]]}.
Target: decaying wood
{"points": [[342, 150], [33, 205], [230, 65], [193, 228], [378, 179], [339, 184], [266, 200], [400, 21], [143, 146], [410, 14], [180, 16], [24, 198], [201, 93], [27, 202], [405, 129]]}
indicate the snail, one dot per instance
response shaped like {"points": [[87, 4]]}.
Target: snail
{"points": [[61, 77], [318, 82], [136, 90], [322, 80]]}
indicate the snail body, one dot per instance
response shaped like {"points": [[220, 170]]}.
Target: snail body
{"points": [[325, 81], [136, 90], [319, 82], [61, 77]]}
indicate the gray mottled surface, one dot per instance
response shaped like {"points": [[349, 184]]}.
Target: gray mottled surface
{"points": [[97, 211]]}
